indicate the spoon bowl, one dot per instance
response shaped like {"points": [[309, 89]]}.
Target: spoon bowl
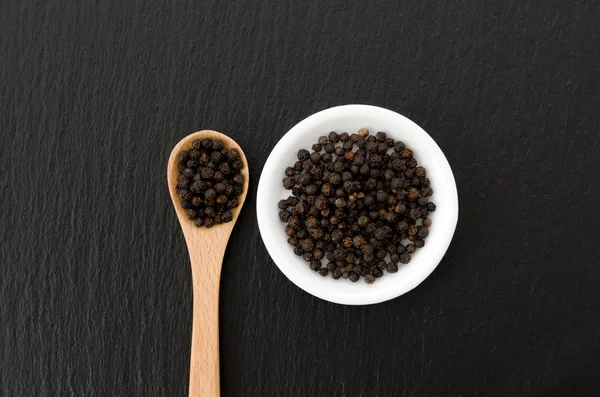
{"points": [[206, 247]]}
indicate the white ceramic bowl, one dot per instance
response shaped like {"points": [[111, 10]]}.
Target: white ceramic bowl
{"points": [[350, 118]]}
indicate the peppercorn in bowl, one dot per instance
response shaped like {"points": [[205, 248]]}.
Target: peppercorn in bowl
{"points": [[357, 204]]}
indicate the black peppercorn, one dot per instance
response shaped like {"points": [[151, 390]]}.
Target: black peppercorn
{"points": [[284, 216], [391, 267], [216, 157], [191, 214], [289, 171], [302, 234], [427, 191], [369, 279], [303, 155], [311, 222], [308, 256], [207, 173], [322, 141], [222, 199], [288, 183], [413, 193], [311, 189], [196, 201], [206, 143], [407, 153], [347, 146], [318, 253], [315, 265], [188, 173], [209, 212], [221, 187], [231, 190], [210, 194], [422, 232]]}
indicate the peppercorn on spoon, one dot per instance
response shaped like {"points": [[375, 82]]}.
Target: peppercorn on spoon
{"points": [[206, 247]]}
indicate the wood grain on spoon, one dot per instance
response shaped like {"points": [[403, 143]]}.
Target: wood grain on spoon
{"points": [[206, 247]]}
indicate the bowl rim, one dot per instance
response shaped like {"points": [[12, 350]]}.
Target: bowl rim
{"points": [[330, 294]]}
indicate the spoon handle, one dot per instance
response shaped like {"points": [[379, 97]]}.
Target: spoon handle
{"points": [[204, 360]]}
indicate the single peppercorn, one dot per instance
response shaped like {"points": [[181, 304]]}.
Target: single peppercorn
{"points": [[284, 216], [227, 216], [391, 267], [369, 279], [311, 189], [412, 193], [288, 183], [238, 179], [427, 191], [307, 256], [303, 155], [422, 232], [334, 137], [318, 253]]}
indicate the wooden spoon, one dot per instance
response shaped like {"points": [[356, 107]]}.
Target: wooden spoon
{"points": [[206, 247]]}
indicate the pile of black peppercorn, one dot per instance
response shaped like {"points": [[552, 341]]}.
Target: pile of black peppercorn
{"points": [[209, 182], [360, 202]]}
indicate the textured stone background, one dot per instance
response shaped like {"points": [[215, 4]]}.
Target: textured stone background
{"points": [[94, 276]]}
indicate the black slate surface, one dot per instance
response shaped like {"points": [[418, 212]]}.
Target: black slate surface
{"points": [[95, 293]]}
